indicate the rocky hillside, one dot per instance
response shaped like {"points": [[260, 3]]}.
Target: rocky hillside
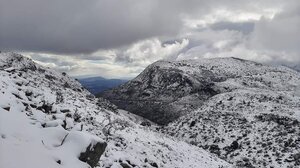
{"points": [[253, 121], [48, 119], [244, 112], [164, 91]]}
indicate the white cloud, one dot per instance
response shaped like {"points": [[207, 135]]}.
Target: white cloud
{"points": [[146, 52], [112, 63], [274, 38]]}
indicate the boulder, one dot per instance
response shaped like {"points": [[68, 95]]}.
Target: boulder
{"points": [[93, 153], [146, 123]]}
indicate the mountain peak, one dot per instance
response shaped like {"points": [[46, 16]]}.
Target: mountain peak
{"points": [[234, 108], [166, 90], [14, 60]]}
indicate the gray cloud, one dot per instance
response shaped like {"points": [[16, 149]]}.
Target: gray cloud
{"points": [[119, 38], [126, 62], [280, 33], [244, 27], [268, 39], [76, 26], [50, 59]]}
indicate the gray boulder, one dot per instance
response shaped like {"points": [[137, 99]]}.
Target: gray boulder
{"points": [[93, 153]]}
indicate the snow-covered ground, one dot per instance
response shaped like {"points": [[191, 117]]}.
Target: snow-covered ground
{"points": [[253, 121], [167, 90], [47, 120]]}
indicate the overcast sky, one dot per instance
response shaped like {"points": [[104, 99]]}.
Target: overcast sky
{"points": [[119, 38]]}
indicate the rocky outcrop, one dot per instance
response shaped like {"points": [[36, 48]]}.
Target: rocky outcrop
{"points": [[162, 93], [93, 153]]}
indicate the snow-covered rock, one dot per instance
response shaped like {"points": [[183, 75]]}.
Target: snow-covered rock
{"points": [[47, 119]]}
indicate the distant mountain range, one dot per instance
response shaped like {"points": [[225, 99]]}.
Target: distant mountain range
{"points": [[99, 84]]}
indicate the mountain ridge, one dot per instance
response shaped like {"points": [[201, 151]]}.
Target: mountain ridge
{"points": [[251, 119], [49, 120], [186, 84]]}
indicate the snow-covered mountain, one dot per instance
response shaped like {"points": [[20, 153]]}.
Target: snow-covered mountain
{"points": [[253, 121], [246, 113], [165, 90], [48, 119], [296, 67]]}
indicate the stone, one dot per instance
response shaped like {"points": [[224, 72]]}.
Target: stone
{"points": [[146, 123], [6, 108], [93, 153]]}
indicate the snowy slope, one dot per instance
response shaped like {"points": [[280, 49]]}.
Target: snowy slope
{"points": [[245, 112], [166, 90], [296, 67], [253, 121], [47, 120]]}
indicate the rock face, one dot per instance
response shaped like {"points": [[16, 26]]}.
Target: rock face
{"points": [[93, 153], [163, 91]]}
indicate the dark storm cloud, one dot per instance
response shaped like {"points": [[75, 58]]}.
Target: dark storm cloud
{"points": [[108, 36], [76, 26]]}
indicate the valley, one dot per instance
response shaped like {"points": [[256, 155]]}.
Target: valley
{"points": [[222, 112]]}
